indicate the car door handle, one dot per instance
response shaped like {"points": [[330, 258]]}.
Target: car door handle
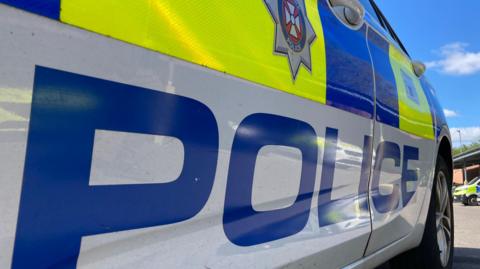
{"points": [[350, 12]]}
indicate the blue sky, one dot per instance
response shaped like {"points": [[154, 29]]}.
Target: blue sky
{"points": [[446, 36]]}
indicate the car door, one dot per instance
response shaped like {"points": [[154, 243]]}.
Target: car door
{"points": [[404, 139], [346, 163]]}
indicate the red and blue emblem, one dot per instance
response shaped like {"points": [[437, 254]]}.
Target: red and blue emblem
{"points": [[293, 24], [293, 32]]}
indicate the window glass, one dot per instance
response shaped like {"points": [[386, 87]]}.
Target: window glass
{"points": [[388, 30], [474, 181], [374, 18], [371, 15]]}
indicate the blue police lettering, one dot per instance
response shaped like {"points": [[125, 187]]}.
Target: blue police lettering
{"points": [[57, 204], [409, 154], [385, 203], [242, 224], [325, 204], [58, 207], [390, 150]]}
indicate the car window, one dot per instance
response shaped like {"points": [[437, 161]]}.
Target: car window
{"points": [[475, 181], [371, 13], [390, 33], [374, 17]]}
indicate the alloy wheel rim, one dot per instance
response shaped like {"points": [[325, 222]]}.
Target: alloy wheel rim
{"points": [[443, 218]]}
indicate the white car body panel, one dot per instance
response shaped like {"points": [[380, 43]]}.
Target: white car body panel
{"points": [[123, 158], [201, 240]]}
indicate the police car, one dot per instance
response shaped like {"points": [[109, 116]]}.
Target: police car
{"points": [[468, 194], [217, 134]]}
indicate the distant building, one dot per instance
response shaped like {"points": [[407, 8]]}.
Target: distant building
{"points": [[472, 172], [466, 166]]}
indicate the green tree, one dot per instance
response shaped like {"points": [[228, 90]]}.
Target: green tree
{"points": [[464, 148]]}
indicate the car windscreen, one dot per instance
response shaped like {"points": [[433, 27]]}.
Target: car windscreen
{"points": [[475, 181]]}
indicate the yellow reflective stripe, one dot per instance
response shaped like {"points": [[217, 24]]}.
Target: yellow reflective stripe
{"points": [[235, 37], [415, 118]]}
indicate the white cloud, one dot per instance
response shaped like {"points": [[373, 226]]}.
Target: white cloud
{"points": [[469, 135], [457, 60], [450, 113]]}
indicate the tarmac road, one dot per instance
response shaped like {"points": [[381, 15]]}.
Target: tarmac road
{"points": [[467, 236]]}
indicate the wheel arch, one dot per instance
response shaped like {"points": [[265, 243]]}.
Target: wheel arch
{"points": [[445, 150]]}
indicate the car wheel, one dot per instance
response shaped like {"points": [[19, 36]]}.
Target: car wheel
{"points": [[472, 200], [436, 249]]}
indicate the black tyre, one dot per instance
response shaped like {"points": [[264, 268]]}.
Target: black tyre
{"points": [[472, 200], [436, 249]]}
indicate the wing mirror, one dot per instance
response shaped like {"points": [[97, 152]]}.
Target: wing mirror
{"points": [[419, 68]]}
